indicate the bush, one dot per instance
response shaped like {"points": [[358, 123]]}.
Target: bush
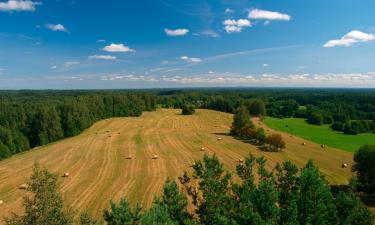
{"points": [[315, 118], [188, 110], [276, 142]]}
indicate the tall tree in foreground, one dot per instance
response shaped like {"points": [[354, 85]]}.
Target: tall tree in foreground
{"points": [[44, 205], [316, 205], [364, 167], [122, 214]]}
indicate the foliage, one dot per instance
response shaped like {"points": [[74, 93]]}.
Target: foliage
{"points": [[364, 167], [276, 142], [45, 205], [188, 109], [241, 122], [33, 118]]}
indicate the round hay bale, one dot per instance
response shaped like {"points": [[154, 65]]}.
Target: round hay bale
{"points": [[192, 165], [23, 187], [303, 143], [322, 146], [129, 157], [66, 175], [155, 157], [240, 160], [1, 202], [344, 165], [219, 139], [202, 149]]}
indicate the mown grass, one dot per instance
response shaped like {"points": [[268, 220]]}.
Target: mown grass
{"points": [[320, 134]]}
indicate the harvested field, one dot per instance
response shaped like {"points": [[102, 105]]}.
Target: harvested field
{"points": [[99, 167]]}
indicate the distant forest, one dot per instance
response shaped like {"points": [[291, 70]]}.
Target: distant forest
{"points": [[33, 118]]}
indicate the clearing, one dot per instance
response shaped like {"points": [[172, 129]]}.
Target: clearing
{"points": [[320, 134], [99, 169]]}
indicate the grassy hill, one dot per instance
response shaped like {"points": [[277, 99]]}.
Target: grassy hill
{"points": [[320, 134], [99, 170]]}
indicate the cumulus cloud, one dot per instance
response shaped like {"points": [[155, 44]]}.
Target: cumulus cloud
{"points": [[56, 27], [235, 26], [177, 32], [18, 5], [128, 77], [268, 15], [104, 57], [266, 65], [117, 48], [53, 67], [191, 59], [70, 64], [349, 39]]}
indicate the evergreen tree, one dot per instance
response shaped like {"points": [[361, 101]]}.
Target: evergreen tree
{"points": [[86, 219], [122, 214], [316, 205], [364, 167], [211, 198], [158, 215], [351, 210], [287, 186], [45, 205]]}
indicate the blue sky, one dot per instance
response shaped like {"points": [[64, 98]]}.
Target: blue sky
{"points": [[82, 44]]}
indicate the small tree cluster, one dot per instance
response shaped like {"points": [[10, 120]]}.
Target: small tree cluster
{"points": [[188, 109], [364, 168], [243, 127]]}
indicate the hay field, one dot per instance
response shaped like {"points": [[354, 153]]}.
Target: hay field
{"points": [[99, 171]]}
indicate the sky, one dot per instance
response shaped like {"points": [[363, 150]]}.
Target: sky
{"points": [[116, 44]]}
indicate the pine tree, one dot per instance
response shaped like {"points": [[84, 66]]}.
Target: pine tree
{"points": [[316, 205], [351, 210], [288, 193], [122, 214]]}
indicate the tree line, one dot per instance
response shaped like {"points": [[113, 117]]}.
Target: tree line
{"points": [[284, 195], [35, 118], [353, 108]]}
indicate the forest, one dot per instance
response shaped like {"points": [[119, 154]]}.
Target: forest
{"points": [[34, 118]]}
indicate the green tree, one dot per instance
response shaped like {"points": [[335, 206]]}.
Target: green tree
{"points": [[158, 215], [188, 109], [364, 167], [241, 120], [261, 136], [351, 210], [175, 203], [316, 205], [286, 175], [211, 199], [122, 214], [45, 205], [86, 219], [265, 196]]}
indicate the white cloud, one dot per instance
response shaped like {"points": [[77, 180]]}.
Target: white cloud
{"points": [[56, 27], [117, 48], [18, 5], [228, 11], [235, 26], [210, 33], [177, 32], [100, 41], [70, 64], [349, 39], [268, 15], [53, 67], [276, 80], [104, 57], [191, 59], [266, 65]]}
